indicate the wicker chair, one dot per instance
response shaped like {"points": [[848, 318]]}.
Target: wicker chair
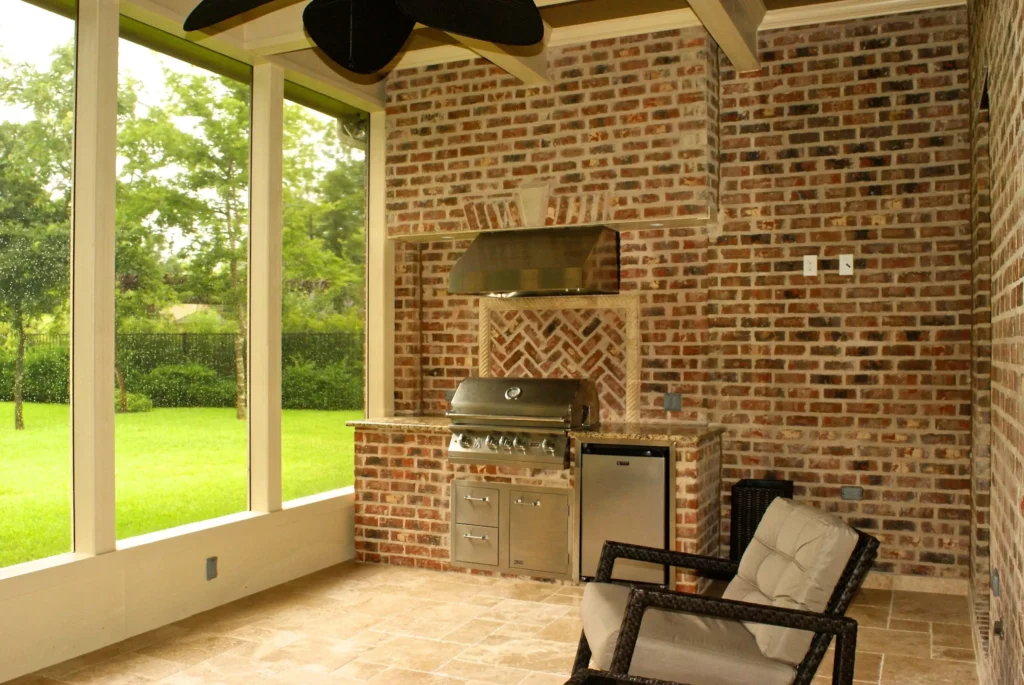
{"points": [[756, 663]]}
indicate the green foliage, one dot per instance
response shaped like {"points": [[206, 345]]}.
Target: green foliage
{"points": [[48, 375], [136, 403], [306, 386], [188, 385]]}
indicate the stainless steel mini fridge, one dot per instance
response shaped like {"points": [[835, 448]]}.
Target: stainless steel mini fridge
{"points": [[624, 496]]}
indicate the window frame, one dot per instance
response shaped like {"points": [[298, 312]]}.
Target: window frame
{"points": [[99, 26]]}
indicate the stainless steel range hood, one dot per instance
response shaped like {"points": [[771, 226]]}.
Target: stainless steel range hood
{"points": [[548, 261]]}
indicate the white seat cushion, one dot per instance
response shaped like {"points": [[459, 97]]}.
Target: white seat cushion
{"points": [[678, 647], [794, 561]]}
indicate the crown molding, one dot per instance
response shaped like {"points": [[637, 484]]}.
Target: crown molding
{"points": [[845, 10]]}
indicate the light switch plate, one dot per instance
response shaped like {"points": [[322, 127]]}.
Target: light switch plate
{"points": [[810, 265], [851, 493], [846, 265], [673, 401]]}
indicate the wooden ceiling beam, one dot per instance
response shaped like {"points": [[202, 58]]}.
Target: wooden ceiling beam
{"points": [[733, 24]]}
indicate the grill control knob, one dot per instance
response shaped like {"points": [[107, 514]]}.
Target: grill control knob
{"points": [[465, 441], [548, 445], [506, 443], [492, 443], [520, 443]]}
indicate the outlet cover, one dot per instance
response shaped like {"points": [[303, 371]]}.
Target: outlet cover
{"points": [[673, 401], [211, 568], [852, 493], [810, 265], [846, 265]]}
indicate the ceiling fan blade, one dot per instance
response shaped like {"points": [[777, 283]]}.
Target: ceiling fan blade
{"points": [[360, 35], [511, 22], [210, 12]]}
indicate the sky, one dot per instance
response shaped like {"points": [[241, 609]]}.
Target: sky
{"points": [[30, 34]]}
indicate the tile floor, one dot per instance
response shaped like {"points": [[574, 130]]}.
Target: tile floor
{"points": [[376, 624]]}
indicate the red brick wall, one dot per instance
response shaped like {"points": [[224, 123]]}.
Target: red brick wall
{"points": [[998, 51], [626, 124], [854, 138], [403, 497]]}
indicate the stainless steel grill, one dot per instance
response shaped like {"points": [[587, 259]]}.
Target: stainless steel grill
{"points": [[521, 421]]}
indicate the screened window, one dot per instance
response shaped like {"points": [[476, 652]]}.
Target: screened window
{"points": [[180, 292], [37, 74], [323, 306]]}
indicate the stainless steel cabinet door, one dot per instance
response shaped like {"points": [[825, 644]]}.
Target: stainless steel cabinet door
{"points": [[538, 531], [623, 500]]}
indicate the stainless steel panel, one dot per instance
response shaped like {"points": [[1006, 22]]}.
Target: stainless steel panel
{"points": [[475, 544], [532, 449], [623, 499], [538, 532], [476, 506], [521, 402], [552, 261]]}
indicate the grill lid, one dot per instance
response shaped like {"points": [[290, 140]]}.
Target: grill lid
{"points": [[542, 402]]}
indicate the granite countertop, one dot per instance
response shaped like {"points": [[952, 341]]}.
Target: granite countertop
{"points": [[676, 432], [430, 424], [688, 432]]}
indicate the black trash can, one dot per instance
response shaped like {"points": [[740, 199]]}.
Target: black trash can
{"points": [[750, 499]]}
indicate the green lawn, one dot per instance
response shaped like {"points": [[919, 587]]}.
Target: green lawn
{"points": [[174, 466]]}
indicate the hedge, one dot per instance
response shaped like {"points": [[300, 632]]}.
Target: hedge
{"points": [[304, 384]]}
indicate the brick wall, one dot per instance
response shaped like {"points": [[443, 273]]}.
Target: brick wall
{"points": [[403, 496], [998, 51], [624, 132], [981, 351], [854, 138]]}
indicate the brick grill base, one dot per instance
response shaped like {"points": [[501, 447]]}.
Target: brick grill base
{"points": [[403, 491]]}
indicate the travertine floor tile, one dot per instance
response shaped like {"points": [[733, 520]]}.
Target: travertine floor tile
{"points": [[413, 653], [927, 606], [904, 670], [374, 625]]}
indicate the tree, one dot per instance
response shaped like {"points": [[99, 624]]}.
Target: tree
{"points": [[35, 200], [324, 237], [34, 249], [210, 167]]}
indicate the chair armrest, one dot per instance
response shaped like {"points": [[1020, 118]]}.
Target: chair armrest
{"points": [[640, 599], [620, 550]]}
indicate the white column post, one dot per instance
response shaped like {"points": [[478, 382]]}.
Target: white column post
{"points": [[92, 277], [265, 287], [380, 282]]}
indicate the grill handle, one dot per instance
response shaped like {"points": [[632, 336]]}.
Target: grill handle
{"points": [[498, 418]]}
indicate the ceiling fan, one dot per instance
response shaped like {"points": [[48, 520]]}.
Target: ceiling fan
{"points": [[365, 35]]}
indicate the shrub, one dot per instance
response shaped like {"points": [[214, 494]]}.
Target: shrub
{"points": [[137, 403], [6, 376], [47, 375], [307, 386], [188, 385]]}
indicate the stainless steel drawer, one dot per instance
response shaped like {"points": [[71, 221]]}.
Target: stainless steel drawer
{"points": [[475, 544], [538, 531], [476, 506]]}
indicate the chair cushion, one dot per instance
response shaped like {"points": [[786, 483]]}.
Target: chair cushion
{"points": [[794, 561], [678, 647]]}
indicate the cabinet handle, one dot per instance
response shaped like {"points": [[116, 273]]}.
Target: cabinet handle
{"points": [[535, 503], [469, 536], [470, 498]]}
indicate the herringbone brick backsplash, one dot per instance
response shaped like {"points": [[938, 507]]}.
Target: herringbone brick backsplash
{"points": [[569, 343]]}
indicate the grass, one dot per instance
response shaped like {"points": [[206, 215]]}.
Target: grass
{"points": [[173, 466]]}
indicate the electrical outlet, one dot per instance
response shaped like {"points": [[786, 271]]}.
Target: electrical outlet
{"points": [[851, 493], [994, 582], [810, 265], [211, 568], [673, 401], [846, 265]]}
